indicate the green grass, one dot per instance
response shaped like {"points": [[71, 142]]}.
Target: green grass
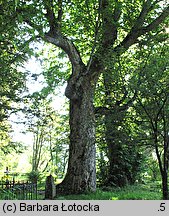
{"points": [[150, 191], [137, 192]]}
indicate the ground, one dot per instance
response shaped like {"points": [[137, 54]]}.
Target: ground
{"points": [[135, 192]]}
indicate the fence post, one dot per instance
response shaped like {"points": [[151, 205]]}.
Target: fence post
{"points": [[50, 188], [7, 177]]}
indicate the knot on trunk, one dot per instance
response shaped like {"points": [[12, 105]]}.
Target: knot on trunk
{"points": [[74, 90]]}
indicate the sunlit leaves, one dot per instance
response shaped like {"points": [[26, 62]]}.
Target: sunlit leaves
{"points": [[55, 64]]}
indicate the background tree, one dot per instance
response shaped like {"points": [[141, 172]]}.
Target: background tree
{"points": [[12, 79], [49, 130], [114, 104], [153, 103]]}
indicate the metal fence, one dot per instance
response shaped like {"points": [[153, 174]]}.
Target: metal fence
{"points": [[11, 190]]}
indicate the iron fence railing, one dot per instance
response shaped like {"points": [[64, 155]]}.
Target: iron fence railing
{"points": [[11, 190]]}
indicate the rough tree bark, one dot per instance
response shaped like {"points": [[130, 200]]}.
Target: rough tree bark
{"points": [[81, 173]]}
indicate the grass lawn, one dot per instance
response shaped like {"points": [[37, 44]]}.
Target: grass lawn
{"points": [[136, 192], [149, 191]]}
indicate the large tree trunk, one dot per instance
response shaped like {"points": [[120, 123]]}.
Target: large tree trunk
{"points": [[81, 173]]}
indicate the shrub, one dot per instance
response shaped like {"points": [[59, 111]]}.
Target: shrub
{"points": [[34, 176]]}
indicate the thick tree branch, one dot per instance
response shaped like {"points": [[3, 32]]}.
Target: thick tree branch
{"points": [[116, 17], [102, 110], [50, 15], [66, 45], [110, 22], [162, 106], [157, 21], [96, 35], [55, 36], [60, 13], [34, 26], [147, 7], [136, 32], [148, 115], [118, 105], [78, 67]]}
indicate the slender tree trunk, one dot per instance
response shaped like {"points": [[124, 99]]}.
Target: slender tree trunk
{"points": [[165, 185], [163, 167], [81, 173], [165, 170]]}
